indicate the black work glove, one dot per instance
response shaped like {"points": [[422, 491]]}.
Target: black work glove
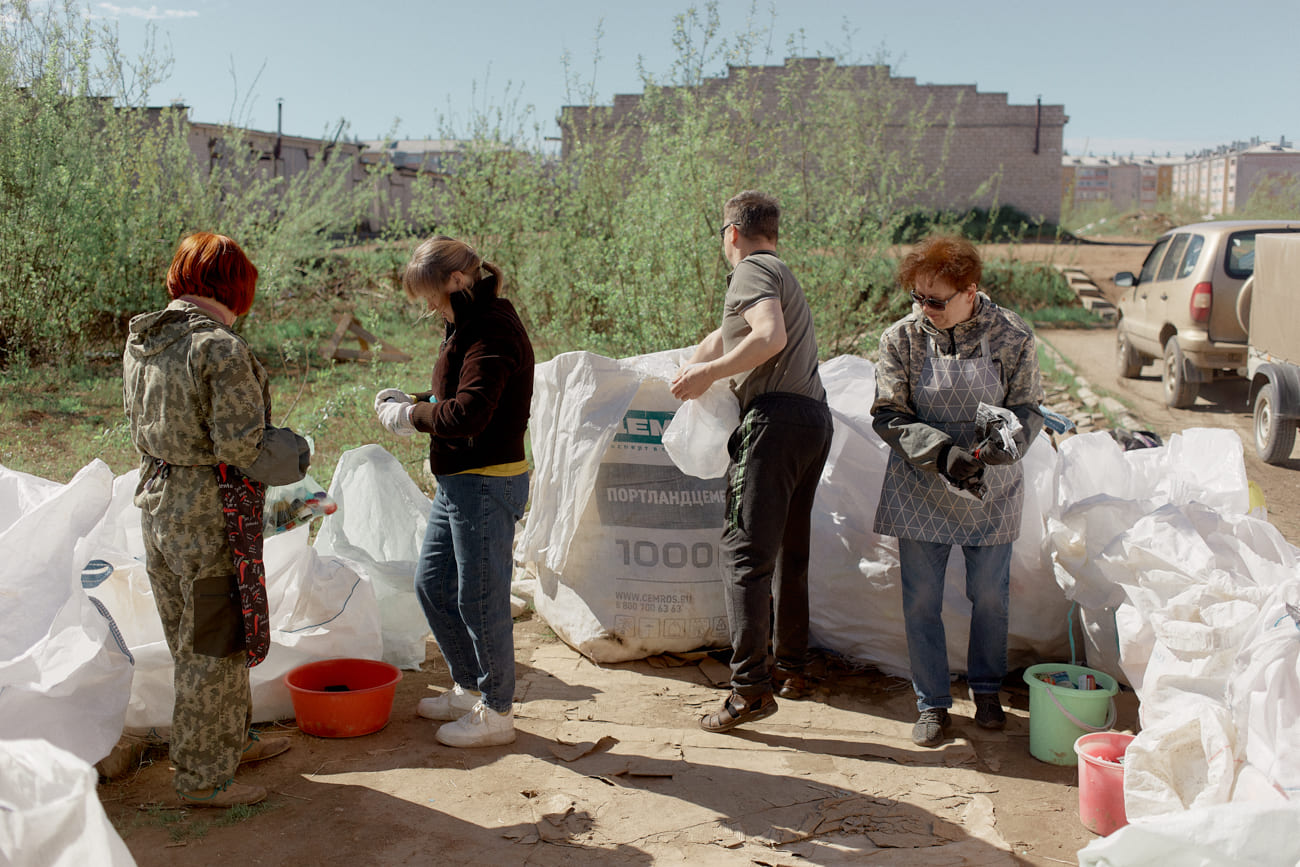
{"points": [[960, 465], [993, 452], [281, 460]]}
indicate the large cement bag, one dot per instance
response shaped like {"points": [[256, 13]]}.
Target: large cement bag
{"points": [[623, 543]]}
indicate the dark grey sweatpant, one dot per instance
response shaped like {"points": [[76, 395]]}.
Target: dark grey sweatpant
{"points": [[777, 454]]}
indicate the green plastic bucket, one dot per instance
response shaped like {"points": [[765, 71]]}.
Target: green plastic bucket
{"points": [[1060, 715]]}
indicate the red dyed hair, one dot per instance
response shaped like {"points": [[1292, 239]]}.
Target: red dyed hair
{"points": [[213, 266], [947, 257]]}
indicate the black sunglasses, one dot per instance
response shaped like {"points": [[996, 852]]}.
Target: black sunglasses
{"points": [[722, 233], [932, 303]]}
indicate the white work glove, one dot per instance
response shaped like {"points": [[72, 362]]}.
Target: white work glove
{"points": [[396, 416], [391, 394]]}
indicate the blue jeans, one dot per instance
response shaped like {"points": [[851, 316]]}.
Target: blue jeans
{"points": [[988, 587], [463, 580]]}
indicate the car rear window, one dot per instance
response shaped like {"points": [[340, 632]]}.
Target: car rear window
{"points": [[1173, 258], [1240, 261], [1241, 255]]}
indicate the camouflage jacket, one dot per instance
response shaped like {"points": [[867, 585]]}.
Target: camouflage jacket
{"points": [[902, 357], [194, 392]]}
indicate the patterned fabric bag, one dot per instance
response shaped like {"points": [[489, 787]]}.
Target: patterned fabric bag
{"points": [[242, 499]]}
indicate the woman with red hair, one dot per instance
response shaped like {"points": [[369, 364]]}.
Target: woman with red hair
{"points": [[955, 356], [199, 409]]}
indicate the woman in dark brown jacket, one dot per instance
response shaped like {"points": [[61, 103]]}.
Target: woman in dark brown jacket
{"points": [[475, 414]]}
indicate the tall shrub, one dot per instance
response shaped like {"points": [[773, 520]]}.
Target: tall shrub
{"points": [[96, 189], [616, 248]]}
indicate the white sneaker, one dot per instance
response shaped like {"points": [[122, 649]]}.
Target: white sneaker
{"points": [[481, 727], [452, 704]]}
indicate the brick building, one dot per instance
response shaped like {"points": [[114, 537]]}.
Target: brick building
{"points": [[979, 150], [395, 169]]}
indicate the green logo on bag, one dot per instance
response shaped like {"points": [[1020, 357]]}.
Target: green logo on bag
{"points": [[643, 426]]}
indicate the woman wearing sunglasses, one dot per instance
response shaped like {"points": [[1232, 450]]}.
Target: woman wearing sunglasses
{"points": [[955, 350]]}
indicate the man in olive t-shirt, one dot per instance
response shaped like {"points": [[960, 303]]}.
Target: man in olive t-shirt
{"points": [[766, 347]]}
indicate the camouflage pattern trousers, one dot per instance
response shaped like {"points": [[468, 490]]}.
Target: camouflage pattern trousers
{"points": [[190, 570]]}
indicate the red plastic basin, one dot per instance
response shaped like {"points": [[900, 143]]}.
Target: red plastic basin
{"points": [[342, 698]]}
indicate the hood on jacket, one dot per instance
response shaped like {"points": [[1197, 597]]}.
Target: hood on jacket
{"points": [[151, 333]]}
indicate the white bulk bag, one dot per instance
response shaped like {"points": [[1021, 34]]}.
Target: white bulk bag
{"points": [[855, 595], [624, 544], [50, 813], [318, 608], [378, 531], [1229, 835], [1264, 696], [64, 676]]}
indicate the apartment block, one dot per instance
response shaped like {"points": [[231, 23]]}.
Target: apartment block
{"points": [[1222, 180], [1128, 183]]}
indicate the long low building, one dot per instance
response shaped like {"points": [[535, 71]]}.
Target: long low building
{"points": [[975, 148]]}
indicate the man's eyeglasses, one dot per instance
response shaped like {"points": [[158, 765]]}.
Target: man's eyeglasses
{"points": [[722, 233], [933, 303]]}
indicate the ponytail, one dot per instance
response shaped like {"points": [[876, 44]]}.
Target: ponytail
{"points": [[434, 261]]}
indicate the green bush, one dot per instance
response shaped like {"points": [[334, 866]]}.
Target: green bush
{"points": [[1027, 286], [1005, 224], [616, 248]]}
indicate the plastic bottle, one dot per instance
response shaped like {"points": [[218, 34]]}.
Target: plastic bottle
{"points": [[287, 515]]}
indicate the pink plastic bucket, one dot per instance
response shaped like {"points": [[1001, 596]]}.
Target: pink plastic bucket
{"points": [[1101, 780]]}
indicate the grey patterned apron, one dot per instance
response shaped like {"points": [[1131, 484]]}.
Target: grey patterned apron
{"points": [[917, 504]]}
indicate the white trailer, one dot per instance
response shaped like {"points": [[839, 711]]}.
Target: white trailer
{"points": [[1269, 309]]}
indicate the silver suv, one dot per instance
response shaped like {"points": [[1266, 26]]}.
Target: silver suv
{"points": [[1182, 307]]}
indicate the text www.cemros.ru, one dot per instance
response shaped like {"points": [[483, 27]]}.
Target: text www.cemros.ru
{"points": [[659, 598]]}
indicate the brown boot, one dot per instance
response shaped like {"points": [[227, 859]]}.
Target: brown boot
{"points": [[792, 684], [262, 748], [228, 794]]}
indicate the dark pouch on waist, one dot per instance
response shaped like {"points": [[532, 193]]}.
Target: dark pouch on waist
{"points": [[218, 618]]}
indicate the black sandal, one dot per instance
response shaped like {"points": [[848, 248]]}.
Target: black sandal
{"points": [[737, 710]]}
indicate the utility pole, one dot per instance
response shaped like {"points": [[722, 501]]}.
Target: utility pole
{"points": [[279, 131]]}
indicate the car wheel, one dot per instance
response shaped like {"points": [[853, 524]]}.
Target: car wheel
{"points": [[1128, 360], [1179, 380], [1274, 435]]}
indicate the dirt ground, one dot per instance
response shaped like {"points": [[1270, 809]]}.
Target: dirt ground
{"points": [[610, 767]]}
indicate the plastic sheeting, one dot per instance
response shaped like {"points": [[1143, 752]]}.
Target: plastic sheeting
{"points": [[1199, 591], [378, 531], [50, 813]]}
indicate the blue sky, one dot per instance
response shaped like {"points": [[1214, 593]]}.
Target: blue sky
{"points": [[1140, 76]]}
